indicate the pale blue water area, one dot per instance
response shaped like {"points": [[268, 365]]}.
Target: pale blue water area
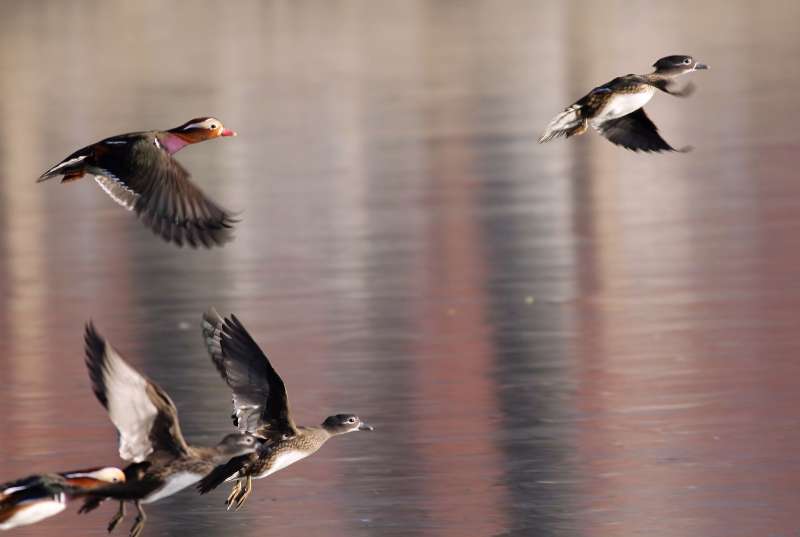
{"points": [[566, 339]]}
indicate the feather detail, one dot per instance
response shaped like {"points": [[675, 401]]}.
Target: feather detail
{"points": [[567, 123]]}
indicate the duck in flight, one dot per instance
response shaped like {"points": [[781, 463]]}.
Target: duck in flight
{"points": [[162, 462], [139, 172], [34, 498], [260, 407], [615, 109]]}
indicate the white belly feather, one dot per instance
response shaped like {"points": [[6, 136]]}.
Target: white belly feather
{"points": [[623, 104], [34, 512], [175, 483], [282, 461]]}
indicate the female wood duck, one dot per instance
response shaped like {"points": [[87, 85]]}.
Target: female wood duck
{"points": [[615, 109], [138, 171], [149, 435], [260, 407], [34, 498]]}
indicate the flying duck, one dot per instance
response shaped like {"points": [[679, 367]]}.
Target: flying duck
{"points": [[260, 407], [615, 109], [34, 498], [139, 172], [162, 462]]}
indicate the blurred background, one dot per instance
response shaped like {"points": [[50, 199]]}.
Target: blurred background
{"points": [[564, 339]]}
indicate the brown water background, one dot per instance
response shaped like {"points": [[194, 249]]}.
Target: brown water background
{"points": [[551, 340]]}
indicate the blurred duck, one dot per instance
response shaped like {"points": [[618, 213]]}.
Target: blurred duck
{"points": [[615, 109], [260, 407], [34, 498], [138, 171], [162, 463]]}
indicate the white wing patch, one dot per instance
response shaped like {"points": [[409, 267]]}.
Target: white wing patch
{"points": [[118, 190], [129, 406]]}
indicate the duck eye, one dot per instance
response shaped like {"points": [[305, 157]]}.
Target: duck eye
{"points": [[351, 420], [214, 126], [687, 61]]}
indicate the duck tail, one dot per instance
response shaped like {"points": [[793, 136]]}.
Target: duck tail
{"points": [[566, 124], [72, 167]]}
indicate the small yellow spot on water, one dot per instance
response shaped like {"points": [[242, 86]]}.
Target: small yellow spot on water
{"points": [[529, 299]]}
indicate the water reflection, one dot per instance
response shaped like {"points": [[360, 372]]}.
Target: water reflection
{"points": [[564, 340]]}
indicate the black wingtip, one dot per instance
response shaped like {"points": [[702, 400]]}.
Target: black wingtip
{"points": [[95, 347], [218, 475]]}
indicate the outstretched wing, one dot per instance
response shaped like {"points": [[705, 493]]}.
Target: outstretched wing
{"points": [[142, 412], [634, 131], [140, 175], [260, 403]]}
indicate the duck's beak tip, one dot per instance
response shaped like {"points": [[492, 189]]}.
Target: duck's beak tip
{"points": [[701, 66], [228, 132]]}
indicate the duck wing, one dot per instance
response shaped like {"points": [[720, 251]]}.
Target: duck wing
{"points": [[634, 131], [142, 412], [260, 402], [222, 472]]}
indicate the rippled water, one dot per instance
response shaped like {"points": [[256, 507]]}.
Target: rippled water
{"points": [[566, 339]]}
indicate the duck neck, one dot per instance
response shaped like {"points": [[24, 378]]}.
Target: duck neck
{"points": [[173, 142], [657, 76]]}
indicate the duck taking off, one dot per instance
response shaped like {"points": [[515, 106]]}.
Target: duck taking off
{"points": [[138, 171], [615, 108], [260, 407]]}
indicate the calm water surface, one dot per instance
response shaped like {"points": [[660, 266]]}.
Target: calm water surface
{"points": [[567, 339]]}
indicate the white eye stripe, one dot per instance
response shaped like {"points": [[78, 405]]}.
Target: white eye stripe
{"points": [[208, 123]]}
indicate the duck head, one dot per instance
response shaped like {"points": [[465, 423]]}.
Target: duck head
{"points": [[677, 65], [94, 477], [344, 423], [236, 444], [200, 129]]}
